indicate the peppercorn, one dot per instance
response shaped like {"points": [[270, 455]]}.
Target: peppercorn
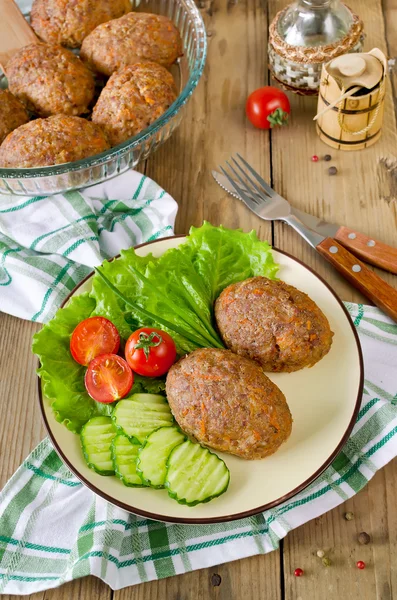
{"points": [[298, 572], [314, 158], [327, 157], [326, 562], [320, 553], [364, 538], [332, 171], [360, 564], [349, 516]]}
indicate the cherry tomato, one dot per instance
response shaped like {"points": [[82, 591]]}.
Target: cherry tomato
{"points": [[267, 107], [108, 378], [92, 337], [150, 352]]}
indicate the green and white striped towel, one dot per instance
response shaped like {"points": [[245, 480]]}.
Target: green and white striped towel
{"points": [[53, 529], [48, 244]]}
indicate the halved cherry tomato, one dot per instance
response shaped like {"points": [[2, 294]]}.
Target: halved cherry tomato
{"points": [[108, 378], [150, 352], [92, 337]]}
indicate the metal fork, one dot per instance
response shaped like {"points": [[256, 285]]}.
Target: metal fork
{"points": [[267, 204], [263, 200]]}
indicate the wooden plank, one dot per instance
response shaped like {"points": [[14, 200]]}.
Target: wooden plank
{"points": [[21, 428], [38, 596], [87, 588], [359, 195], [249, 579], [215, 125], [390, 19]]}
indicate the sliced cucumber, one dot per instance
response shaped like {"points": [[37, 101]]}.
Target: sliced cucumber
{"points": [[124, 454], [194, 474], [147, 398], [96, 440], [152, 458], [141, 414]]}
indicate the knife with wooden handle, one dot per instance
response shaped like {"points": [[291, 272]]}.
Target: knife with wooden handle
{"points": [[368, 249]]}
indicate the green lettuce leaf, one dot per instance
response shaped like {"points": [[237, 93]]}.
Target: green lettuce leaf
{"points": [[176, 292], [105, 410], [163, 292], [62, 377], [106, 303], [148, 385], [224, 256]]}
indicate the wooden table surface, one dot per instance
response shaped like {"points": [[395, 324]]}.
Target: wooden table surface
{"points": [[363, 195]]}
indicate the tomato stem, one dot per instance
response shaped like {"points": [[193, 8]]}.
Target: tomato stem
{"points": [[146, 342], [278, 117]]}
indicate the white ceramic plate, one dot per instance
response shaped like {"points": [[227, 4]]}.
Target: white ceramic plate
{"points": [[324, 402]]}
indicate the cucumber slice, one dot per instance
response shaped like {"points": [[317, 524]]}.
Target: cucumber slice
{"points": [[124, 454], [96, 438], [147, 398], [141, 414], [194, 474], [152, 458]]}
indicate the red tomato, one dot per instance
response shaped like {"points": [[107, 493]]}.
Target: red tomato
{"points": [[150, 352], [267, 107], [92, 337], [108, 378]]}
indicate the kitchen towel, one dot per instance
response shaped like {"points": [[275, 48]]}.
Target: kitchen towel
{"points": [[53, 529], [50, 243]]}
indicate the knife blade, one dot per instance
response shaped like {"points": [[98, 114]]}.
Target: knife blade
{"points": [[319, 225]]}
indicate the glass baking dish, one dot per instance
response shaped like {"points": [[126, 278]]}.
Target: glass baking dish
{"points": [[89, 171]]}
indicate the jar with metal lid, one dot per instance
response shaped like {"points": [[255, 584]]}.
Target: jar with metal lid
{"points": [[307, 34]]}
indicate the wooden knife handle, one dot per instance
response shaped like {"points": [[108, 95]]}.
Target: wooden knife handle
{"points": [[365, 280], [370, 250]]}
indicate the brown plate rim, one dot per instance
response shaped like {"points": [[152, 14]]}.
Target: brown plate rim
{"points": [[236, 516]]}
